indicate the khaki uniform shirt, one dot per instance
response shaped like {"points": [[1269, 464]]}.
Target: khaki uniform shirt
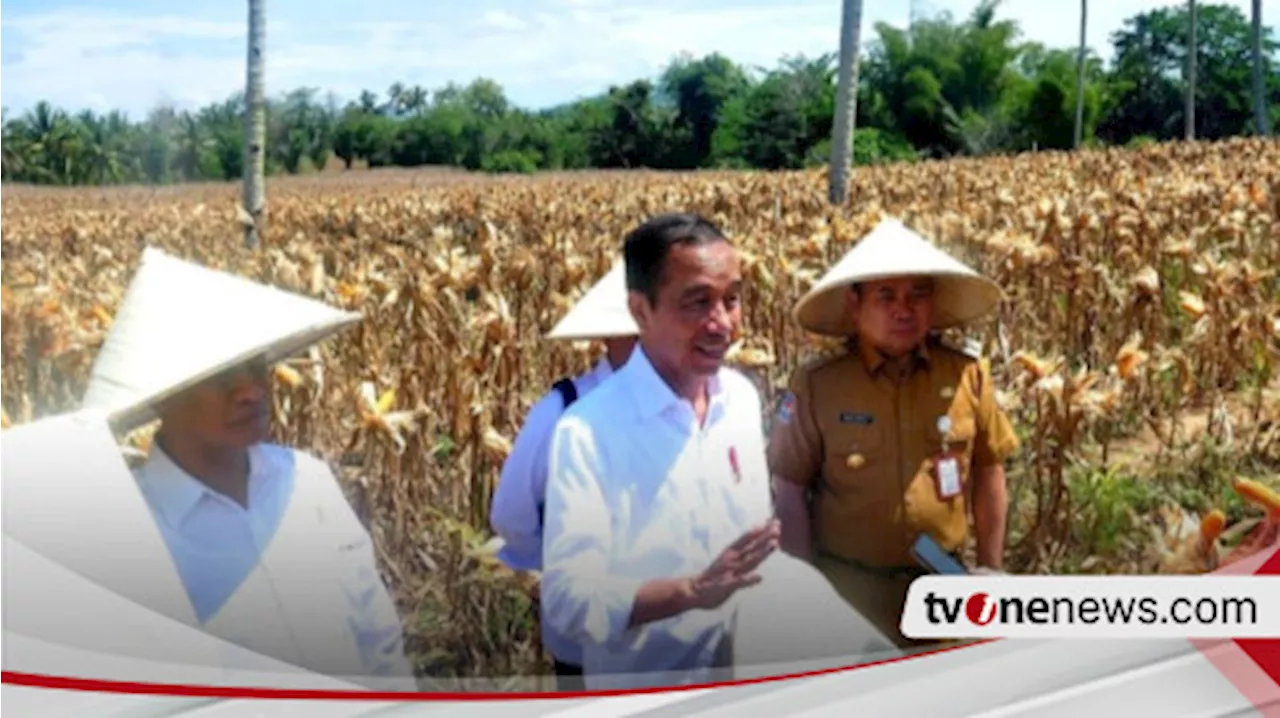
{"points": [[866, 438]]}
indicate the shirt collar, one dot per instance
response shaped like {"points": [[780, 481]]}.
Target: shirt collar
{"points": [[874, 361], [652, 394], [603, 369], [175, 493]]}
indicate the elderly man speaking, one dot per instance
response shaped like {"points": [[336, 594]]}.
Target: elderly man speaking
{"points": [[658, 500], [270, 552]]}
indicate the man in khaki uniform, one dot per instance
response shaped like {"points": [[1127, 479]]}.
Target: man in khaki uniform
{"points": [[897, 436]]}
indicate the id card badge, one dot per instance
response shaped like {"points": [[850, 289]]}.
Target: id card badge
{"points": [[946, 473], [946, 466]]}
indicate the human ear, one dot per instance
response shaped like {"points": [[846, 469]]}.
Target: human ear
{"points": [[638, 305]]}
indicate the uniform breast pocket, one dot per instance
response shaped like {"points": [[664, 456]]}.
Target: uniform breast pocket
{"points": [[855, 451]]}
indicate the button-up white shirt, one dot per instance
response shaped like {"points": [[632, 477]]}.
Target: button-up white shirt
{"points": [[639, 491], [515, 513], [217, 546], [215, 541]]}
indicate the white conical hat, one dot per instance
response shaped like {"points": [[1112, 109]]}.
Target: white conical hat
{"points": [[893, 250], [602, 312], [181, 323]]}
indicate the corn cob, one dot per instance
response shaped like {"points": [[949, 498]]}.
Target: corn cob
{"points": [[1258, 494], [288, 375], [1211, 526]]}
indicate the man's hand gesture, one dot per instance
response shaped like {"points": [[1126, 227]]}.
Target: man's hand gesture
{"points": [[735, 567]]}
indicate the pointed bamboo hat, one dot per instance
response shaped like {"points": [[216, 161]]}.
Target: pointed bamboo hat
{"points": [[181, 324], [601, 313], [888, 251]]}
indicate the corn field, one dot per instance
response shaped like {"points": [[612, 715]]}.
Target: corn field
{"points": [[1137, 351]]}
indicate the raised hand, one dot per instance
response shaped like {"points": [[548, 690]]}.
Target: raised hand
{"points": [[735, 567]]}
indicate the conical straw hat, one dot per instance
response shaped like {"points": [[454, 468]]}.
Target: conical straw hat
{"points": [[602, 312], [892, 250], [181, 323]]}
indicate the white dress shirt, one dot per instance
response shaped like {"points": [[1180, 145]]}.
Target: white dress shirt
{"points": [[639, 491], [292, 576], [515, 514]]}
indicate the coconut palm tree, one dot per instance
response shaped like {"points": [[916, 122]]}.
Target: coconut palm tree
{"points": [[1079, 131], [1259, 95], [1191, 73], [255, 129], [15, 151], [846, 102]]}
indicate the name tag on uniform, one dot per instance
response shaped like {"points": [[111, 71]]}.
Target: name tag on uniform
{"points": [[946, 467], [854, 417], [947, 473]]}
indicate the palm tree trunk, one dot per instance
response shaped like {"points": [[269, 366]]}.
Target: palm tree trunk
{"points": [[1190, 111], [1079, 133], [255, 129], [1261, 120], [846, 102]]}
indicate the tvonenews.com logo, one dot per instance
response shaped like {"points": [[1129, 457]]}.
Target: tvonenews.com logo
{"points": [[982, 609], [957, 607]]}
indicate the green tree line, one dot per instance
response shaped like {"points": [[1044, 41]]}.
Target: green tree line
{"points": [[943, 87]]}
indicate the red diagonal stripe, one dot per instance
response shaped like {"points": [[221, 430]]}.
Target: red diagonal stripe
{"points": [[35, 680], [1265, 651], [1252, 665]]}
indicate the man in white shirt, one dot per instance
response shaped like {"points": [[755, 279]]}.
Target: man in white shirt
{"points": [[518, 502], [658, 499], [261, 535]]}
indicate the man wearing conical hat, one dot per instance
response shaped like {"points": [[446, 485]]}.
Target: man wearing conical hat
{"points": [[517, 509], [897, 437], [270, 553]]}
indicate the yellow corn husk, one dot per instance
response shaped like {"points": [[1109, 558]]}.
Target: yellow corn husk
{"points": [[1130, 358], [288, 376], [386, 401], [1033, 365], [1191, 304]]}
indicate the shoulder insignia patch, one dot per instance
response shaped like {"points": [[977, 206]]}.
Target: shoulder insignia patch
{"points": [[818, 361], [971, 348]]}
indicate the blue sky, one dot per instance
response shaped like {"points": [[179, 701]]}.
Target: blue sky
{"points": [[134, 54]]}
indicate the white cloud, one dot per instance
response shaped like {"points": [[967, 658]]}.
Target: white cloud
{"points": [[502, 20], [80, 60]]}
